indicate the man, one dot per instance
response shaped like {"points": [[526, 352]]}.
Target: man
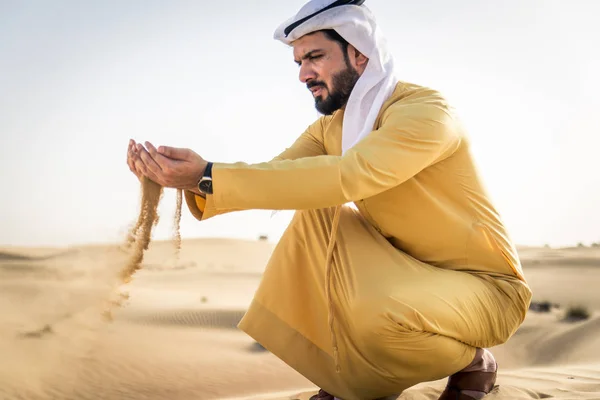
{"points": [[416, 282]]}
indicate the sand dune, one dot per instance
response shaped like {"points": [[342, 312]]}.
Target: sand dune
{"points": [[176, 337]]}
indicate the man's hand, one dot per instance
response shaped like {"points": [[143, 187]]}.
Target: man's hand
{"points": [[131, 159], [168, 166]]}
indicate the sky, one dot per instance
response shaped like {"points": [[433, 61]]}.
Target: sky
{"points": [[78, 79]]}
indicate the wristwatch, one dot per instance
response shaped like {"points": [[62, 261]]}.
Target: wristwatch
{"points": [[205, 183]]}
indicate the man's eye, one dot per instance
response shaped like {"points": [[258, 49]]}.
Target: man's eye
{"points": [[316, 57]]}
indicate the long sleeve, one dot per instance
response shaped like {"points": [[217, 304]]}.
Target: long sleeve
{"points": [[309, 144], [410, 138]]}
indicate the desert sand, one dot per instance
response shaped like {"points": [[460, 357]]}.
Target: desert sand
{"points": [[176, 338]]}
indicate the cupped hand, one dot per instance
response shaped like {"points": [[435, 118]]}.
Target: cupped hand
{"points": [[170, 167]]}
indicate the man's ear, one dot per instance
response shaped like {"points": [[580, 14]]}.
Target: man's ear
{"points": [[360, 59]]}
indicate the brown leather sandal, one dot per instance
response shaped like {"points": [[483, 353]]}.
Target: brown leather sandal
{"points": [[322, 395], [475, 380]]}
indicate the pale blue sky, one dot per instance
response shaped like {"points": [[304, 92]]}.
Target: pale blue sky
{"points": [[79, 78]]}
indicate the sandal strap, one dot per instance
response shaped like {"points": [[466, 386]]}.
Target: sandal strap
{"points": [[475, 380], [322, 395]]}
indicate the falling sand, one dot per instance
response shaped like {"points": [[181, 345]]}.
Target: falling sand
{"points": [[138, 238]]}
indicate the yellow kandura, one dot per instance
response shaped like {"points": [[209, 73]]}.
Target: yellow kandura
{"points": [[367, 302]]}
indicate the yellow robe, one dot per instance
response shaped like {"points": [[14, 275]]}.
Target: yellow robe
{"points": [[366, 303]]}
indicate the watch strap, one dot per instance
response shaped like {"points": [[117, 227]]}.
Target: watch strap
{"points": [[208, 170]]}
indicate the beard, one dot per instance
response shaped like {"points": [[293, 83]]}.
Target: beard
{"points": [[342, 84]]}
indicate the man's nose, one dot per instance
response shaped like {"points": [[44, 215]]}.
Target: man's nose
{"points": [[306, 73]]}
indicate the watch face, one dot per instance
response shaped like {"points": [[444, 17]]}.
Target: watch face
{"points": [[205, 186]]}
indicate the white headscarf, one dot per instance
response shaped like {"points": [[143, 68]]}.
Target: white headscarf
{"points": [[357, 25]]}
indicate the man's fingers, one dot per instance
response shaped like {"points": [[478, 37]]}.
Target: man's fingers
{"points": [[143, 170], [158, 169], [174, 152], [139, 166], [165, 162], [131, 165], [150, 162], [131, 147], [131, 155], [152, 168], [129, 151]]}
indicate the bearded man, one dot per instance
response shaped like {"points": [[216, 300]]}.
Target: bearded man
{"points": [[412, 285]]}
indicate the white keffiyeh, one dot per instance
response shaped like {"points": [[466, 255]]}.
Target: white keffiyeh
{"points": [[357, 25]]}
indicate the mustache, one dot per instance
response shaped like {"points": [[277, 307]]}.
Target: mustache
{"points": [[312, 84]]}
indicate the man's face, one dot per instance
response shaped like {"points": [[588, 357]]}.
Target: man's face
{"points": [[328, 73]]}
